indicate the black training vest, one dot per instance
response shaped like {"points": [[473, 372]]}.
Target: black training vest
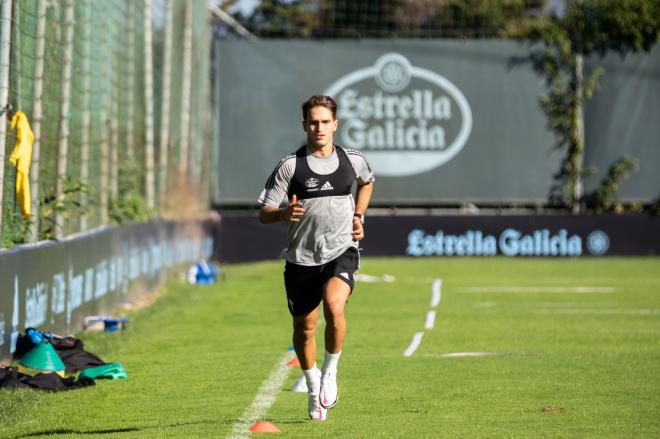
{"points": [[308, 184]]}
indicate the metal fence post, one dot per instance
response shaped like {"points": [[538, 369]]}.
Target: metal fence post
{"points": [[5, 42], [148, 107], [86, 119], [63, 141], [130, 81], [165, 106], [37, 109], [185, 92]]}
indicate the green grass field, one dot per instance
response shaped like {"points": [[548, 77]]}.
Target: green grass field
{"points": [[197, 357]]}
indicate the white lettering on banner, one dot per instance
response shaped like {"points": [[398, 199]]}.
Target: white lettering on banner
{"points": [[406, 127], [145, 259], [75, 296], [420, 105], [112, 275], [469, 244], [134, 263], [101, 279], [36, 305], [394, 134], [58, 294], [511, 242], [62, 291], [2, 328], [14, 318], [89, 284], [539, 243], [156, 262], [167, 253], [122, 278]]}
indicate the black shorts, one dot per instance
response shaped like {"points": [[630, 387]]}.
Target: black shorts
{"points": [[304, 284]]}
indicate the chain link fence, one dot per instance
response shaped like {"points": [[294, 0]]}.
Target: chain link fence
{"points": [[331, 19], [117, 93]]}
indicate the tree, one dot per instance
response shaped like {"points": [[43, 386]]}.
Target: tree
{"points": [[285, 18], [463, 18], [588, 27], [388, 18]]}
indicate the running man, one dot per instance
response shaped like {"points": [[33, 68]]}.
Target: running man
{"points": [[325, 225]]}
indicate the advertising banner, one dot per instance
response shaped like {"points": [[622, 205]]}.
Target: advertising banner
{"points": [[465, 235], [54, 285], [440, 121], [622, 120]]}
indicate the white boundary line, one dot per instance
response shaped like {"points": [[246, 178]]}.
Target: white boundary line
{"points": [[429, 323], [416, 341], [430, 320], [467, 354], [436, 293], [641, 312], [576, 290], [264, 399]]}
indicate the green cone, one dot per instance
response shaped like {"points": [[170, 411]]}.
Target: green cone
{"points": [[43, 357]]}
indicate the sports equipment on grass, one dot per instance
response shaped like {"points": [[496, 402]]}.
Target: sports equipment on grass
{"points": [[300, 385], [41, 359]]}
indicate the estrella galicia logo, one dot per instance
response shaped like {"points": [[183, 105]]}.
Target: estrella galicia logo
{"points": [[312, 182], [598, 242], [407, 119]]}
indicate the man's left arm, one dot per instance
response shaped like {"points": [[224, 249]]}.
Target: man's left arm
{"points": [[362, 198]]}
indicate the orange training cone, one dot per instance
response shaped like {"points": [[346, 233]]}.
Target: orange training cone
{"points": [[264, 427], [294, 363]]}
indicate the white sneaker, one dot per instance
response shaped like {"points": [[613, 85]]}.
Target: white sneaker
{"points": [[329, 396], [316, 412]]}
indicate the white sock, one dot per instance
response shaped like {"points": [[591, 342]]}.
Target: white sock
{"points": [[330, 362], [312, 377]]}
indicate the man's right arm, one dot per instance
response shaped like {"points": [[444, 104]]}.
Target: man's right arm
{"points": [[275, 191], [291, 213], [270, 214]]}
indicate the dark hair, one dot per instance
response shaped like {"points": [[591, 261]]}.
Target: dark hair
{"points": [[319, 101]]}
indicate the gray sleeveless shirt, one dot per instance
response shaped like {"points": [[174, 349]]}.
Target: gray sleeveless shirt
{"points": [[325, 229]]}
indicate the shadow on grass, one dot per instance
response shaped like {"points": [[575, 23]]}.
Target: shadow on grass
{"points": [[109, 430]]}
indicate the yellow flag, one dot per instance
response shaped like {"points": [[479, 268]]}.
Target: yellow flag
{"points": [[21, 158]]}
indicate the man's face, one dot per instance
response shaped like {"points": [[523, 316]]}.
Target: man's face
{"points": [[319, 126]]}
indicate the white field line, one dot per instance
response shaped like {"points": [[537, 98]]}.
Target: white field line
{"points": [[640, 312], [429, 323], [436, 292], [467, 354], [430, 320], [264, 399], [416, 341], [485, 305], [578, 290]]}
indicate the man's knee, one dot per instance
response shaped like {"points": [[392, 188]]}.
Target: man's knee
{"points": [[304, 326], [303, 333], [335, 295], [334, 310]]}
